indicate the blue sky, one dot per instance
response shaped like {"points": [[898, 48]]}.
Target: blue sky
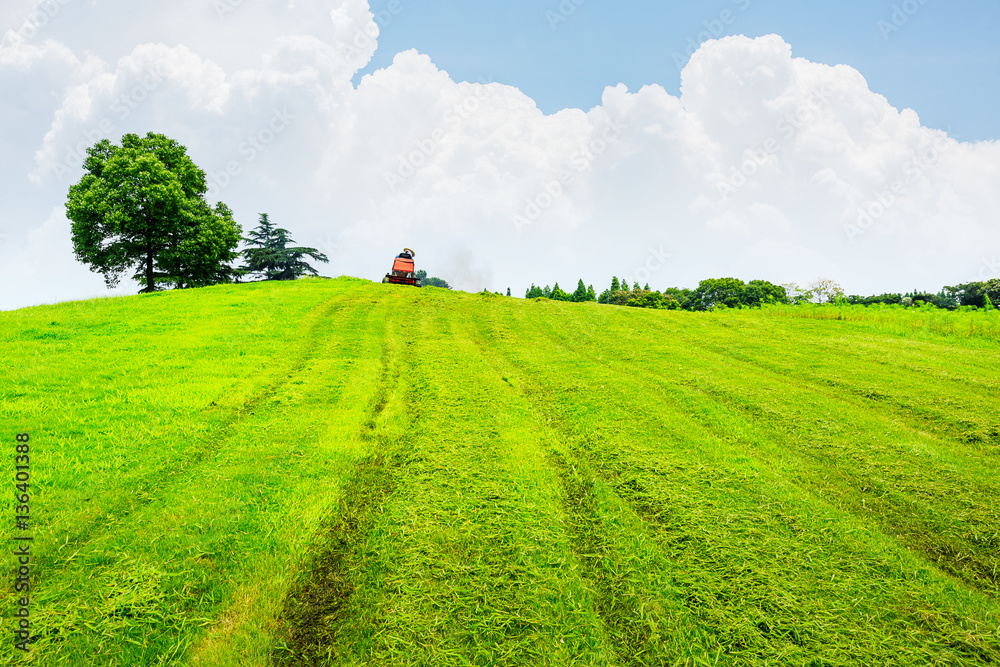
{"points": [[943, 62]]}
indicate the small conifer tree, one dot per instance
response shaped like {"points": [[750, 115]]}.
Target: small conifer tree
{"points": [[269, 255]]}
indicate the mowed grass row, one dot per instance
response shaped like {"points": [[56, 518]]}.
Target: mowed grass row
{"points": [[752, 485], [345, 473], [934, 493], [901, 375], [462, 554], [185, 449]]}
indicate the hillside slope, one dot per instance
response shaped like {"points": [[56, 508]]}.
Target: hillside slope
{"points": [[347, 473]]}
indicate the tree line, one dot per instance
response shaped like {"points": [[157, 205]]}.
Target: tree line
{"points": [[580, 295], [710, 294], [983, 294], [716, 293]]}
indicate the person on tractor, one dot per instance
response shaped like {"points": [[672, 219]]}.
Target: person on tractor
{"points": [[402, 270]]}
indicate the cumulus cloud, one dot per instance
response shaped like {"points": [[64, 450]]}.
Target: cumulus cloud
{"points": [[766, 166]]}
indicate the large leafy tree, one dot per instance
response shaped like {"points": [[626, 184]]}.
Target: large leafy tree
{"points": [[713, 292], [684, 297], [141, 206], [968, 294], [760, 292], [270, 257]]}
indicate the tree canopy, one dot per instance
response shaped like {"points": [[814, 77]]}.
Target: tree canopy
{"points": [[713, 293], [825, 290], [431, 281], [141, 206], [734, 293], [269, 256], [655, 300], [728, 292], [580, 295]]}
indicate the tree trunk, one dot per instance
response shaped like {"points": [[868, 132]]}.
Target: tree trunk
{"points": [[150, 283]]}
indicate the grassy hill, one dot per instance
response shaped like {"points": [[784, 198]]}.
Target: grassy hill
{"points": [[348, 473]]}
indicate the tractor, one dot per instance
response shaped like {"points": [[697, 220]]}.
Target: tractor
{"points": [[402, 270]]}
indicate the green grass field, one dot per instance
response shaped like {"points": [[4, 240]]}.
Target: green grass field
{"points": [[349, 473]]}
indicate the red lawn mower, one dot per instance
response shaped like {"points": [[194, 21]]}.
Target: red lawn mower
{"points": [[402, 270]]}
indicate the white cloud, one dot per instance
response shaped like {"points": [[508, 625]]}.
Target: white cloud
{"points": [[767, 166]]}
